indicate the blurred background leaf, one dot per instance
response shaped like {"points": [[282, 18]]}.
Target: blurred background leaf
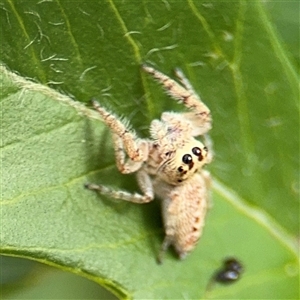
{"points": [[25, 279], [244, 72]]}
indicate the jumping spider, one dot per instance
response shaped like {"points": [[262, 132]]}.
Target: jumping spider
{"points": [[168, 165]]}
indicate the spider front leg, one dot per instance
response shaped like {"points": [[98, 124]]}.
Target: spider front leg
{"points": [[125, 141], [200, 117], [136, 150], [129, 166]]}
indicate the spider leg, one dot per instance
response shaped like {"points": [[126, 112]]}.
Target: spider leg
{"points": [[136, 149], [125, 141], [200, 116], [145, 185], [125, 167], [164, 247]]}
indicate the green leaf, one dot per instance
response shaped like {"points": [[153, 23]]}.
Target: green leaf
{"points": [[52, 145], [23, 279]]}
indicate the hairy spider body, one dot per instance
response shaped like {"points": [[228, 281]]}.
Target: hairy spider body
{"points": [[168, 165]]}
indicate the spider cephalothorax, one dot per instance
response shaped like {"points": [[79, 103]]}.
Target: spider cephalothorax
{"points": [[169, 164]]}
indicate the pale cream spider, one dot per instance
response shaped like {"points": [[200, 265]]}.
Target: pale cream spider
{"points": [[168, 165]]}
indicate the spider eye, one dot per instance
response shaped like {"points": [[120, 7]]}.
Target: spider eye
{"points": [[196, 151], [187, 159], [180, 169]]}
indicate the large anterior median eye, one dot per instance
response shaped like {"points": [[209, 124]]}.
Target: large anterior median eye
{"points": [[196, 151], [187, 159]]}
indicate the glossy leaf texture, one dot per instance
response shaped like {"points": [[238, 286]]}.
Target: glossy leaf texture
{"points": [[52, 144]]}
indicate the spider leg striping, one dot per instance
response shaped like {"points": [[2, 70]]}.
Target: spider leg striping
{"points": [[200, 117], [136, 150]]}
